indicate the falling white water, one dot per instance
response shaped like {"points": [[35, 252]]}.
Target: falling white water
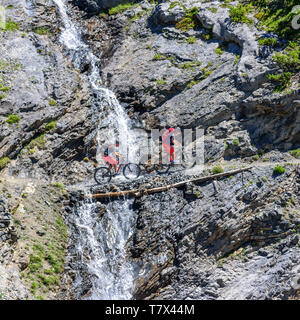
{"points": [[117, 121], [101, 242]]}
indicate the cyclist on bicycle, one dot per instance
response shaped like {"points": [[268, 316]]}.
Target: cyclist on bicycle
{"points": [[112, 150], [169, 143]]}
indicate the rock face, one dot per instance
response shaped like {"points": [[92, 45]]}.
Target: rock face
{"points": [[238, 242], [170, 77], [49, 97]]}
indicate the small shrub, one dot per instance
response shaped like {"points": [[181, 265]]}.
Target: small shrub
{"points": [[4, 88], [12, 118], [52, 102], [217, 169], [219, 51], [38, 142], [51, 125], [11, 26], [58, 185], [282, 80], [256, 157], [161, 82], [190, 20], [236, 59], [279, 170], [191, 40], [272, 42], [4, 162], [236, 142]]}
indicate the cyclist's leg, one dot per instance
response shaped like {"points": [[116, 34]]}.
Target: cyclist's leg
{"points": [[172, 155], [111, 162]]}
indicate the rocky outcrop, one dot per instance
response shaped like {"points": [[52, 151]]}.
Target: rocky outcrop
{"points": [[237, 241], [33, 240], [208, 77]]}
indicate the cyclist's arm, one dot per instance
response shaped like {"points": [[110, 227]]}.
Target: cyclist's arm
{"points": [[178, 144]]}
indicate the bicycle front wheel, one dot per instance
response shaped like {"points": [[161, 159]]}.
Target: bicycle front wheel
{"points": [[131, 171], [102, 175]]}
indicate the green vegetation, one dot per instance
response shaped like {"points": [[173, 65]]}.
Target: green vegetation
{"points": [[52, 102], [51, 125], [4, 88], [58, 185], [219, 51], [289, 58], [295, 153], [189, 65], [239, 13], [236, 142], [192, 83], [46, 262], [42, 31], [2, 96], [38, 142], [190, 20], [10, 26], [12, 118], [159, 57], [283, 80], [220, 263], [206, 73], [191, 40], [121, 8], [4, 162], [256, 157], [276, 16], [213, 10], [236, 59], [272, 42], [217, 169], [161, 82], [289, 63], [279, 170]]}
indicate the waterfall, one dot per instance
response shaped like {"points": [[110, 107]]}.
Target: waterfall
{"points": [[100, 243]]}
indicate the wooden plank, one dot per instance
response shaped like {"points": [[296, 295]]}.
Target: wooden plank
{"points": [[140, 192]]}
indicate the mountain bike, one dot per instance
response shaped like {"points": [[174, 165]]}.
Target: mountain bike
{"points": [[165, 168], [104, 175]]}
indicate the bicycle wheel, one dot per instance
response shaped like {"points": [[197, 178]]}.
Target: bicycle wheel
{"points": [[131, 171], [162, 168], [102, 175]]}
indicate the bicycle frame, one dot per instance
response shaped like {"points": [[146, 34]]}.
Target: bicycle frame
{"points": [[112, 169]]}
